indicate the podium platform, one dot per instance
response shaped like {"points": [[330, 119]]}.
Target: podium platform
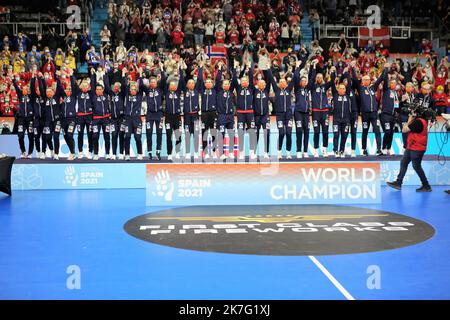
{"points": [[34, 174]]}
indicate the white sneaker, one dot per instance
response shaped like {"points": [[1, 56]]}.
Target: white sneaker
{"points": [[52, 153], [315, 153], [279, 156], [23, 155], [187, 156], [169, 157], [113, 157], [288, 155], [95, 157], [305, 155], [299, 155], [89, 156], [177, 155], [342, 155], [241, 156], [391, 152], [324, 152], [353, 154], [195, 155], [121, 157], [108, 157], [214, 155], [55, 157], [266, 155], [71, 157], [140, 157], [42, 156], [336, 154], [29, 156], [127, 158], [253, 155], [385, 151], [206, 157], [223, 157], [231, 155], [80, 156]]}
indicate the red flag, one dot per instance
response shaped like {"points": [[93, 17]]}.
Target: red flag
{"points": [[376, 35], [216, 53]]}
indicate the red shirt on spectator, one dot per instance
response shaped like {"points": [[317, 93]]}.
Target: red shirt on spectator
{"points": [[260, 35], [271, 39], [249, 16], [441, 99], [177, 37], [7, 109], [233, 36], [440, 81], [220, 37]]}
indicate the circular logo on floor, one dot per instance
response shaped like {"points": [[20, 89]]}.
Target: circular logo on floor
{"points": [[287, 230]]}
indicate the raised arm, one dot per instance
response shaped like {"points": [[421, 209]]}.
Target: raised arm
{"points": [[250, 78], [296, 78], [333, 81], [312, 77], [234, 80], [181, 82], [329, 84], [93, 82], [33, 85], [380, 79], [59, 88], [356, 82], [269, 76], [18, 91], [108, 89], [162, 81], [200, 84], [218, 79]]}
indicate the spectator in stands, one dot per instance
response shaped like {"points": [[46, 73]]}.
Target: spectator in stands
{"points": [[425, 46], [105, 35], [177, 37], [209, 33], [199, 32], [314, 21]]}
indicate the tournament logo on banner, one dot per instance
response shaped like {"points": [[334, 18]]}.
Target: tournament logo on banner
{"points": [[251, 184]]}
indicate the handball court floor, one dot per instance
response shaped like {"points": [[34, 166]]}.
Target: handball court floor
{"points": [[42, 233]]}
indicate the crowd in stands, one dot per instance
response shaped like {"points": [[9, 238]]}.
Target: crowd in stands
{"points": [[139, 36]]}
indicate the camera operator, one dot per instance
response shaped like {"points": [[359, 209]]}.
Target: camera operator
{"points": [[417, 129]]}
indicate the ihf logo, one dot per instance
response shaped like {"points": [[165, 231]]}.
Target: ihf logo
{"points": [[85, 176], [164, 185], [70, 176]]}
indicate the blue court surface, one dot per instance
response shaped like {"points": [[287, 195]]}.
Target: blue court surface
{"points": [[43, 233]]}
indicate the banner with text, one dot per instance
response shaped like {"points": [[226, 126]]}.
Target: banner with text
{"points": [[250, 184]]}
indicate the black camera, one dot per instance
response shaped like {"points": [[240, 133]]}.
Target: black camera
{"points": [[419, 111]]}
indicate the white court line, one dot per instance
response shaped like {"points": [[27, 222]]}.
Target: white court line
{"points": [[331, 278]]}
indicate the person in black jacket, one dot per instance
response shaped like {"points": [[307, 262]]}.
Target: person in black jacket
{"points": [[117, 122], [25, 118], [262, 114], [341, 115], [154, 117], [209, 92], [68, 114], [302, 109], [37, 90]]}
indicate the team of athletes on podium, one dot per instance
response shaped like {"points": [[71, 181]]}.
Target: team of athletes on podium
{"points": [[206, 101]]}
